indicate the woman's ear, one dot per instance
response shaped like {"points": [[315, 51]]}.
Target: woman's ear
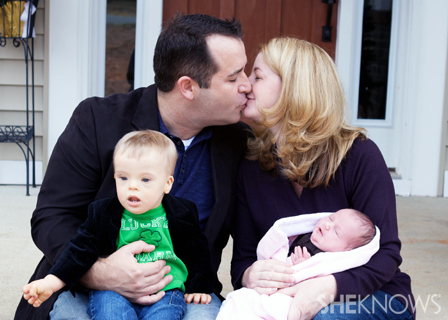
{"points": [[187, 87], [169, 185]]}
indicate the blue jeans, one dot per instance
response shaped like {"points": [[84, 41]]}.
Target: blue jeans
{"points": [[109, 305], [379, 305], [68, 307], [204, 311]]}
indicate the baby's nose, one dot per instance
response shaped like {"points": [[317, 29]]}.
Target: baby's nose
{"points": [[327, 226]]}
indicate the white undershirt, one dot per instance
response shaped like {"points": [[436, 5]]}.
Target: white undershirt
{"points": [[187, 142]]}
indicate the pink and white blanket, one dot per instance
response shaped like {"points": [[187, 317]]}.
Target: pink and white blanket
{"points": [[247, 304]]}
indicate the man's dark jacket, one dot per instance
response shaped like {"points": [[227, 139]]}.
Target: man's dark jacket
{"points": [[97, 237], [80, 171]]}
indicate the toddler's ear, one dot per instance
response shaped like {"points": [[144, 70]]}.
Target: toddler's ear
{"points": [[169, 184]]}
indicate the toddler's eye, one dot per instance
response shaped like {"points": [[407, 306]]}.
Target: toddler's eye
{"points": [[145, 180], [123, 178]]}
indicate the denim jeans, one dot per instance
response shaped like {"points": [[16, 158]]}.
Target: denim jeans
{"points": [[203, 311], [109, 305], [68, 307], [378, 306]]}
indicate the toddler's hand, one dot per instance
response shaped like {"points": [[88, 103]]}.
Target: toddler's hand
{"points": [[299, 255], [36, 292], [196, 298]]}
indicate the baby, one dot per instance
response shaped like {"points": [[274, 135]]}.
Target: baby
{"points": [[144, 163], [343, 230], [335, 233]]}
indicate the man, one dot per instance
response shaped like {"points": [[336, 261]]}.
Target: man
{"points": [[199, 92]]}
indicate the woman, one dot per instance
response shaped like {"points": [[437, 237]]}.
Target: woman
{"points": [[306, 158]]}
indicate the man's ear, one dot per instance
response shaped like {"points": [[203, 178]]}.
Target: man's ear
{"points": [[187, 87]]}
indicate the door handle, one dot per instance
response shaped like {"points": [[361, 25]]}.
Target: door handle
{"points": [[326, 30]]}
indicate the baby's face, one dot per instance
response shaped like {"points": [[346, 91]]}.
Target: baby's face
{"points": [[142, 183], [336, 232]]}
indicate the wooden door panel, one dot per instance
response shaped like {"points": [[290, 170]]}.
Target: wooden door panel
{"points": [[298, 24], [259, 24], [206, 7], [266, 19]]}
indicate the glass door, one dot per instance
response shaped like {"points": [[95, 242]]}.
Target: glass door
{"points": [[373, 83], [120, 44], [375, 51]]}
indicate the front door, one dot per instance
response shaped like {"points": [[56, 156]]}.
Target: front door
{"points": [[266, 19]]}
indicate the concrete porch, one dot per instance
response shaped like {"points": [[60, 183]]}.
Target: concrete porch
{"points": [[423, 225]]}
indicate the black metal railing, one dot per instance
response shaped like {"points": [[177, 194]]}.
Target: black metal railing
{"points": [[11, 27]]}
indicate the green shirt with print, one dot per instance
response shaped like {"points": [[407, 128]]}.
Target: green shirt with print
{"points": [[152, 227]]}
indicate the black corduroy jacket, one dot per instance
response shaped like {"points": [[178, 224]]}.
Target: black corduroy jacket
{"points": [[97, 237], [80, 171]]}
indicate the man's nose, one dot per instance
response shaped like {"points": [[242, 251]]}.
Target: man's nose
{"points": [[245, 86]]}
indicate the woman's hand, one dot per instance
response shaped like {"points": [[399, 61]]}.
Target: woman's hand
{"points": [[267, 276], [311, 296]]}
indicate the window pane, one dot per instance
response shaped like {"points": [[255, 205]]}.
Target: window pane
{"points": [[374, 59], [120, 43]]}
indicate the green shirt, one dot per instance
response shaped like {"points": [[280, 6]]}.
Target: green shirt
{"points": [[152, 227]]}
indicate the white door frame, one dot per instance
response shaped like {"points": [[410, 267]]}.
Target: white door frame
{"points": [[77, 55], [149, 24], [419, 88], [348, 59], [76, 59]]}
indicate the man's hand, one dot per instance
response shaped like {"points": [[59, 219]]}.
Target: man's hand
{"points": [[120, 272], [267, 276]]}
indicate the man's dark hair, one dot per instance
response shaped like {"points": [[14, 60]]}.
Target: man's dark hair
{"points": [[181, 49]]}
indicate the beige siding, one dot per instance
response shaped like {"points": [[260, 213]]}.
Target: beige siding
{"points": [[12, 88]]}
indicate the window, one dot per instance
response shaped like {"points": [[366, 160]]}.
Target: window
{"points": [[376, 34], [120, 43]]}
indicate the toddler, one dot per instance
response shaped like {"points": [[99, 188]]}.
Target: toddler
{"points": [[144, 163]]}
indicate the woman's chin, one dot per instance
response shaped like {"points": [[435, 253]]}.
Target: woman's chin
{"points": [[251, 115]]}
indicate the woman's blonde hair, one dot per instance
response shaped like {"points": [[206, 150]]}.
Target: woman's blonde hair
{"points": [[313, 135]]}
